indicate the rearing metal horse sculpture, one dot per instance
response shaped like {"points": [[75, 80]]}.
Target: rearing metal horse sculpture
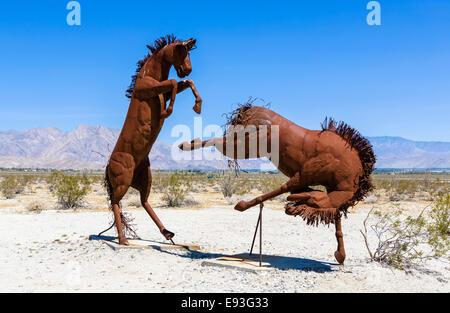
{"points": [[149, 91], [336, 157]]}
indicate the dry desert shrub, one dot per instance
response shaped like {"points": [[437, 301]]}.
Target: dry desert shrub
{"points": [[132, 191], [159, 181], [96, 178], [371, 198], [228, 183], [411, 186], [35, 207], [268, 182], [404, 241], [133, 202], [12, 185]]}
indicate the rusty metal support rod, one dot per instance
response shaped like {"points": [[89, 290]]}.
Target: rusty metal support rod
{"points": [[258, 225], [260, 233], [254, 235]]}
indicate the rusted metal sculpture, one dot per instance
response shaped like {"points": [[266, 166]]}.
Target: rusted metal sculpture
{"points": [[336, 157], [149, 91]]}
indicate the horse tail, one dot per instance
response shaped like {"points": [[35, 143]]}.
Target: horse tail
{"points": [[365, 153], [109, 188]]}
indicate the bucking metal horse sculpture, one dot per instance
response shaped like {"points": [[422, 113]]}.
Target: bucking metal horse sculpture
{"points": [[336, 157]]}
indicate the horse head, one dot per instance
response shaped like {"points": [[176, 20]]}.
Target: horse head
{"points": [[177, 54]]}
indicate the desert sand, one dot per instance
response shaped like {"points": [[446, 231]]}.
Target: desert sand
{"points": [[50, 251]]}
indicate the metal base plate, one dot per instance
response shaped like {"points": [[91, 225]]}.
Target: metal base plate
{"points": [[113, 242]]}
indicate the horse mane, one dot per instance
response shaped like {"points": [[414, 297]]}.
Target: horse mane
{"points": [[238, 116], [159, 43], [365, 151], [241, 115], [163, 41]]}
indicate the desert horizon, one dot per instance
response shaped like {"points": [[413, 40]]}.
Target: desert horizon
{"points": [[89, 147]]}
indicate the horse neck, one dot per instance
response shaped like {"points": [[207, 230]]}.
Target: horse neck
{"points": [[288, 131], [264, 116], [156, 67], [292, 131]]}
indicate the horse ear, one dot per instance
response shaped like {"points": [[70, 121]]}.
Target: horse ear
{"points": [[190, 43]]}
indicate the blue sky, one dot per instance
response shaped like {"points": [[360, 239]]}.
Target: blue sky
{"points": [[310, 59]]}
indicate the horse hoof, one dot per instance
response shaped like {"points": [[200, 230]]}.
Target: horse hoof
{"points": [[198, 107], [339, 257], [167, 234], [123, 242], [183, 146], [241, 206]]}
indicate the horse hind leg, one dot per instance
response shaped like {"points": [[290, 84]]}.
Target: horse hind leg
{"points": [[119, 174], [143, 183], [339, 199], [317, 206], [313, 206]]}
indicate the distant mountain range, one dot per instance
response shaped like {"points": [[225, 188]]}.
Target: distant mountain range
{"points": [[397, 152], [90, 146]]}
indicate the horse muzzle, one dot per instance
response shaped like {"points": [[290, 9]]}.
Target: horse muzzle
{"points": [[182, 72]]}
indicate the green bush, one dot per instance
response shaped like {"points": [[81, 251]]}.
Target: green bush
{"points": [[69, 189], [175, 190], [439, 226]]}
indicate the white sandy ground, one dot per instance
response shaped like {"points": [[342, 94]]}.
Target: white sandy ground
{"points": [[50, 252]]}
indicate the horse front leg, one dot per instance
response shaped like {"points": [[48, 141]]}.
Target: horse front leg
{"points": [[182, 86], [187, 83], [165, 113], [149, 87], [198, 100]]}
